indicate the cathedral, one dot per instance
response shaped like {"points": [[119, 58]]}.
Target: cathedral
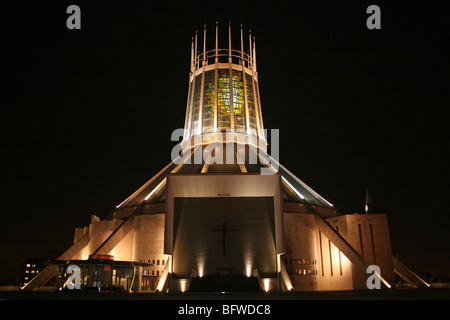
{"points": [[224, 215]]}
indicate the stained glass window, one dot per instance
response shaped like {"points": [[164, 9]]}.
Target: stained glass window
{"points": [[223, 99], [208, 101], [251, 104], [225, 95], [196, 105], [238, 101]]}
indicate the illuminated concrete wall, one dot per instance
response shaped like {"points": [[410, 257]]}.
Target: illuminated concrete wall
{"points": [[78, 234], [300, 258], [369, 235], [199, 242], [144, 243], [311, 260], [98, 233], [335, 270], [148, 238], [122, 251]]}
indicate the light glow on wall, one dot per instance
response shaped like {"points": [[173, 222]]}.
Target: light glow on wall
{"points": [[183, 285], [167, 270], [248, 260], [338, 257], [200, 271], [248, 270], [200, 259], [344, 259], [266, 284]]}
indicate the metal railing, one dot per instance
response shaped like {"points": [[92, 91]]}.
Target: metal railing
{"points": [[223, 55]]}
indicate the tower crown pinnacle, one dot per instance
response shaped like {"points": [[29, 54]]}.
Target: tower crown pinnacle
{"points": [[223, 91]]}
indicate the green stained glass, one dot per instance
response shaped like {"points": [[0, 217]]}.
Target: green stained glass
{"points": [[208, 100], [238, 101], [196, 105], [223, 99], [250, 103], [230, 96]]}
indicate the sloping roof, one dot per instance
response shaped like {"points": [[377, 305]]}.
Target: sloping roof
{"points": [[251, 161]]}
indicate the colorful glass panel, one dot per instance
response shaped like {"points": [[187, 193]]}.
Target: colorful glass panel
{"points": [[238, 101], [251, 103], [208, 101], [223, 99], [196, 105]]}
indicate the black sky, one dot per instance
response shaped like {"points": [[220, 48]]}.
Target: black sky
{"points": [[86, 115]]}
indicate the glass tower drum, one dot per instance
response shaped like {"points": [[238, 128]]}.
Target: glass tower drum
{"points": [[223, 93]]}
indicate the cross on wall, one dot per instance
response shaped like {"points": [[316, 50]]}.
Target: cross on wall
{"points": [[224, 230]]}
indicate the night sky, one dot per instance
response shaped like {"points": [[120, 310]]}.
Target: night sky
{"points": [[86, 115]]}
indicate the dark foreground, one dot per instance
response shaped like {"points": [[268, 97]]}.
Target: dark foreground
{"points": [[199, 305], [383, 294]]}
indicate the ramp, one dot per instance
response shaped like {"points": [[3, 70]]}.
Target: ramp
{"points": [[406, 274], [50, 271], [116, 236]]}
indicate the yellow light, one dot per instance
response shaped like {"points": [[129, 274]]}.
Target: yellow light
{"points": [[200, 259], [248, 268], [165, 273], [248, 258], [161, 283], [266, 284], [183, 285]]}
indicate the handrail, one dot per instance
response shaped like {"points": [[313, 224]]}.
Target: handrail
{"points": [[223, 53]]}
